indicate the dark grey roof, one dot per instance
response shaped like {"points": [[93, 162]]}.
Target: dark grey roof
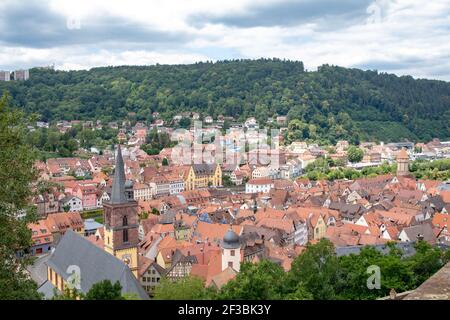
{"points": [[168, 217], [204, 169], [437, 202], [424, 230], [94, 263], [348, 210], [406, 247], [48, 290], [159, 269], [179, 257], [118, 189], [91, 224], [231, 240]]}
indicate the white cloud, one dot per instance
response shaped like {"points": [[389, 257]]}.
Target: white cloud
{"points": [[400, 36]]}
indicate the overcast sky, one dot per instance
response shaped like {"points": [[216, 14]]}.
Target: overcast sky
{"points": [[405, 37]]}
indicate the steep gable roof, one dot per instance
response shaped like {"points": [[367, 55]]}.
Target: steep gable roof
{"points": [[95, 264]]}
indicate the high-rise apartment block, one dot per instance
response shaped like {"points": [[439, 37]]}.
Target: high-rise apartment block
{"points": [[5, 76], [21, 74]]}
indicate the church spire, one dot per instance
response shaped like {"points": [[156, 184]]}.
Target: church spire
{"points": [[118, 189]]}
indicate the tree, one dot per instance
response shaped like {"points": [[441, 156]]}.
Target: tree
{"points": [[189, 288], [184, 123], [426, 262], [105, 290], [317, 269], [354, 154], [68, 294], [226, 180], [16, 175], [299, 293], [131, 296], [165, 162], [340, 103], [298, 130], [261, 281]]}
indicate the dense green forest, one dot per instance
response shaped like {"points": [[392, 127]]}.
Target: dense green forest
{"points": [[329, 104]]}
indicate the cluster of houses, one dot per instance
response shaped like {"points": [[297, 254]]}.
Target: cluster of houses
{"points": [[156, 218], [176, 221]]}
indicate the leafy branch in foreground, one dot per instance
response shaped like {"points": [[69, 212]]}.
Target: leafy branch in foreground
{"points": [[16, 175]]}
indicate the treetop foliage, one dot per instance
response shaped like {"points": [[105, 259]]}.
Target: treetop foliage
{"points": [[329, 104]]}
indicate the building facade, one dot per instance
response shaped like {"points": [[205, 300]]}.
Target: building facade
{"points": [[121, 237], [203, 176]]}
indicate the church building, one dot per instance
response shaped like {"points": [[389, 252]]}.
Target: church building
{"points": [[121, 221]]}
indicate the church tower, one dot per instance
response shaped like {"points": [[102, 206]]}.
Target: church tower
{"points": [[231, 251], [402, 163], [121, 221]]}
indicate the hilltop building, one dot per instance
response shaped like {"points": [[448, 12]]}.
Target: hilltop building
{"points": [[21, 75], [5, 76]]}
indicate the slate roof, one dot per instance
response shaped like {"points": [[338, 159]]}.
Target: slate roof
{"points": [[407, 248], [179, 257], [204, 169], [48, 290], [91, 224], [425, 230], [118, 188], [95, 264]]}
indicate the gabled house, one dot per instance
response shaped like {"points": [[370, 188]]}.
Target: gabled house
{"points": [[181, 265], [41, 237], [72, 202], [418, 232], [150, 275]]}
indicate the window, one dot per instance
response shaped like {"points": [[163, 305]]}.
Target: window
{"points": [[232, 253], [125, 235], [125, 221], [230, 264]]}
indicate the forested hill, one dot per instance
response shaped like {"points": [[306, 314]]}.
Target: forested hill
{"points": [[331, 103]]}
